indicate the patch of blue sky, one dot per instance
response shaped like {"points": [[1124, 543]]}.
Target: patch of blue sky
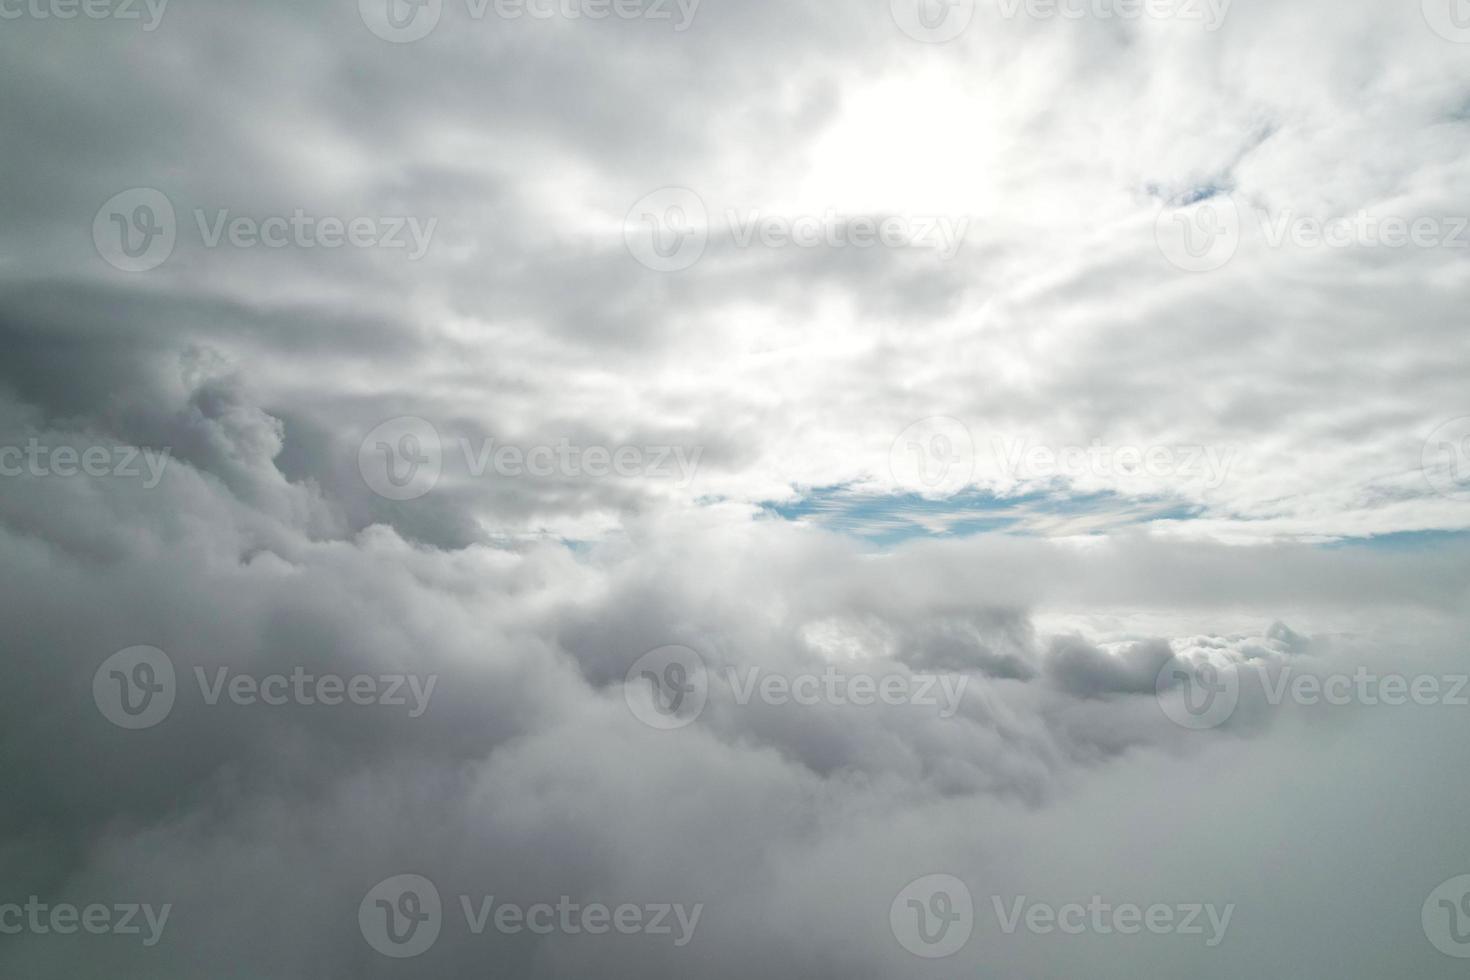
{"points": [[888, 520], [1404, 540]]}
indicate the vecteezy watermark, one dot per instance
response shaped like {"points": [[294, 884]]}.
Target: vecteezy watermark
{"points": [[1103, 918], [1446, 459], [669, 230], [120, 462], [40, 918], [934, 458], [403, 916], [1197, 694], [752, 227], [1450, 19], [1363, 230], [933, 917], [1446, 917], [941, 21], [1205, 235], [1208, 465], [301, 688], [1199, 236], [1365, 687], [1203, 694], [136, 688], [581, 462], [406, 21], [1209, 13], [669, 687], [150, 12], [137, 230], [933, 21], [403, 459], [843, 689]]}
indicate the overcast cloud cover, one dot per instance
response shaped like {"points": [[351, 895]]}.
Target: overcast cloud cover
{"points": [[855, 476]]}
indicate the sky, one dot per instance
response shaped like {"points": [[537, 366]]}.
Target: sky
{"points": [[892, 488]]}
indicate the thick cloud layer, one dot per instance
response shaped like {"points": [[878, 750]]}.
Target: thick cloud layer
{"points": [[867, 705]]}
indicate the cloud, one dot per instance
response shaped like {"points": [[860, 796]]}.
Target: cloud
{"points": [[1045, 595]]}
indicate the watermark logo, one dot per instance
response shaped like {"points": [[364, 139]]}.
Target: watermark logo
{"points": [[933, 21], [64, 919], [545, 461], [1364, 687], [409, 691], [1446, 917], [1199, 237], [117, 462], [135, 688], [1450, 19], [668, 230], [308, 231], [402, 459], [838, 689], [1209, 13], [1204, 236], [667, 688], [136, 230], [90, 9], [1197, 695], [401, 916], [753, 227], [933, 917], [1364, 230], [401, 21], [1446, 458], [573, 918], [1204, 695], [1022, 461], [934, 458], [405, 21], [1103, 918]]}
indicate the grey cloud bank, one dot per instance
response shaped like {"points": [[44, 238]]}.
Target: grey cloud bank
{"points": [[1283, 496]]}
